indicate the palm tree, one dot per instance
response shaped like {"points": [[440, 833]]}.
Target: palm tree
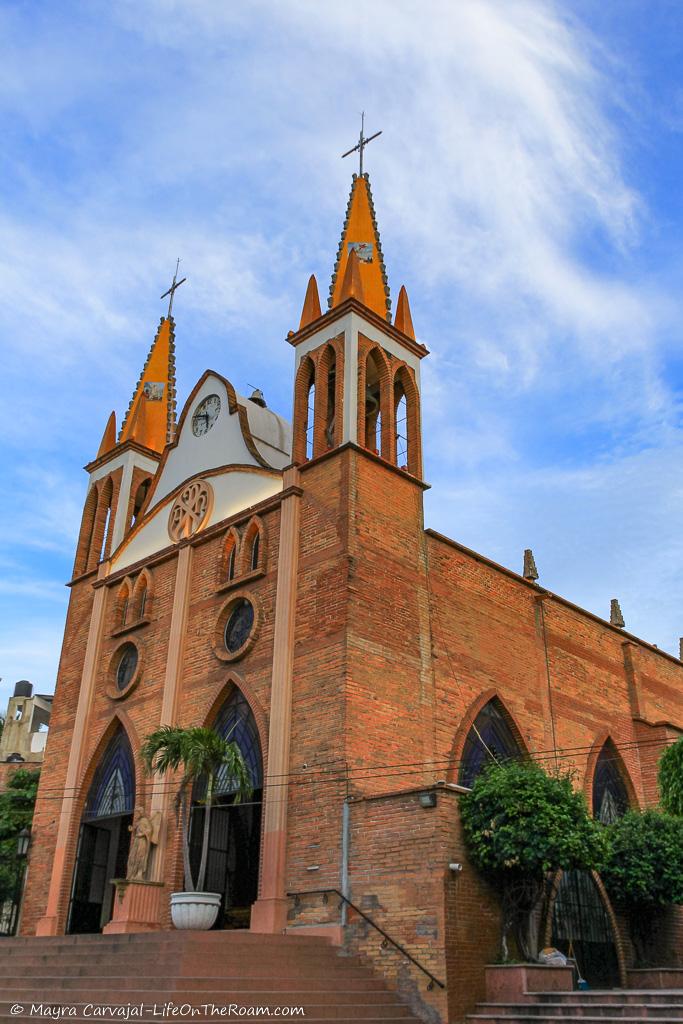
{"points": [[201, 754]]}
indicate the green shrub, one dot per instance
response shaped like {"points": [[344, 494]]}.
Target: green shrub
{"points": [[670, 778], [521, 823]]}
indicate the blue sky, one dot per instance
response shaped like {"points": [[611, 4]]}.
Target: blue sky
{"points": [[527, 187]]}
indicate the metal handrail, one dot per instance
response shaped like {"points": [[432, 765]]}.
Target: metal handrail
{"points": [[385, 936]]}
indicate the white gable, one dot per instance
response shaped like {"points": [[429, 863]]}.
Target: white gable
{"points": [[233, 491], [224, 444]]}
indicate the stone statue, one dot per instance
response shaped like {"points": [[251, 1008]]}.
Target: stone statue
{"points": [[144, 832]]}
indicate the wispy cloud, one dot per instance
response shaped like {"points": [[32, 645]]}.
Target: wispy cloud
{"points": [[509, 203]]}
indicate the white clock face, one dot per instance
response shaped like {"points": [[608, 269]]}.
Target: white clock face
{"points": [[205, 415]]}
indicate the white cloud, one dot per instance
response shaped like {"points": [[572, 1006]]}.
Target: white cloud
{"points": [[507, 201]]}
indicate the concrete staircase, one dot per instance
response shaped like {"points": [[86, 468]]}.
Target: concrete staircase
{"points": [[591, 1006], [204, 970]]}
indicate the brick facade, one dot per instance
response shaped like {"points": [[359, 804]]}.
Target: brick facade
{"points": [[400, 637]]}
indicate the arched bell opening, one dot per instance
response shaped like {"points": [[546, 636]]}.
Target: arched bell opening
{"points": [[139, 499], [325, 434], [235, 827], [375, 421], [104, 837]]}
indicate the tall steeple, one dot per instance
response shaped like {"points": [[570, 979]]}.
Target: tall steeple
{"points": [[151, 416], [360, 235]]}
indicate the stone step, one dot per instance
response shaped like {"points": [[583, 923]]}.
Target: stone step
{"points": [[194, 968], [239, 984], [199, 989], [621, 995], [151, 977], [184, 966], [580, 1009], [523, 1017]]}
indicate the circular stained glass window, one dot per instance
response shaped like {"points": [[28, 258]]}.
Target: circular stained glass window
{"points": [[239, 625], [125, 670]]}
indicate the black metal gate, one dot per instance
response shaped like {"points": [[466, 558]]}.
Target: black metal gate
{"points": [[582, 929]]}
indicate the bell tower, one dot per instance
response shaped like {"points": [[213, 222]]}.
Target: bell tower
{"points": [[121, 473], [357, 374]]}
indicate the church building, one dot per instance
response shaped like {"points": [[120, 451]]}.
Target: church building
{"points": [[276, 582]]}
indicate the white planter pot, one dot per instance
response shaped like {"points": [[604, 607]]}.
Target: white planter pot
{"points": [[197, 910]]}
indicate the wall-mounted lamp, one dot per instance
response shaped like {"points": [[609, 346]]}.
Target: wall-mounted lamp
{"points": [[23, 842], [427, 799]]}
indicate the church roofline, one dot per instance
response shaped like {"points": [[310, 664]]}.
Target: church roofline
{"points": [[119, 449], [541, 592], [352, 305]]}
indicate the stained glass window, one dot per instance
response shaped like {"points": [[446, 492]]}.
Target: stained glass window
{"points": [[498, 739], [239, 625], [128, 662], [236, 722], [113, 788], [610, 796]]}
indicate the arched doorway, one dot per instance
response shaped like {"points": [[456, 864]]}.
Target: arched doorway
{"points": [[235, 832], [582, 922], [582, 928], [104, 838]]}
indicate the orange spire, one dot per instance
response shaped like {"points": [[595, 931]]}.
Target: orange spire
{"points": [[108, 437], [360, 235], [352, 285], [403, 320], [311, 310], [150, 419]]}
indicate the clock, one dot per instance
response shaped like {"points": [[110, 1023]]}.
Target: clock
{"points": [[205, 415]]}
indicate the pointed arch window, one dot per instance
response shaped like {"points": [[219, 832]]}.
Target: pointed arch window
{"points": [[254, 554], [236, 722], [123, 604], [112, 790], [610, 795], [489, 737], [139, 499]]}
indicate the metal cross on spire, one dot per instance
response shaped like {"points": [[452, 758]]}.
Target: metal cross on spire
{"points": [[362, 143], [172, 289]]}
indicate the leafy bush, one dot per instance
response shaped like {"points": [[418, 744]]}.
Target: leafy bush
{"points": [[644, 866], [643, 871], [671, 778], [521, 823], [16, 812]]}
